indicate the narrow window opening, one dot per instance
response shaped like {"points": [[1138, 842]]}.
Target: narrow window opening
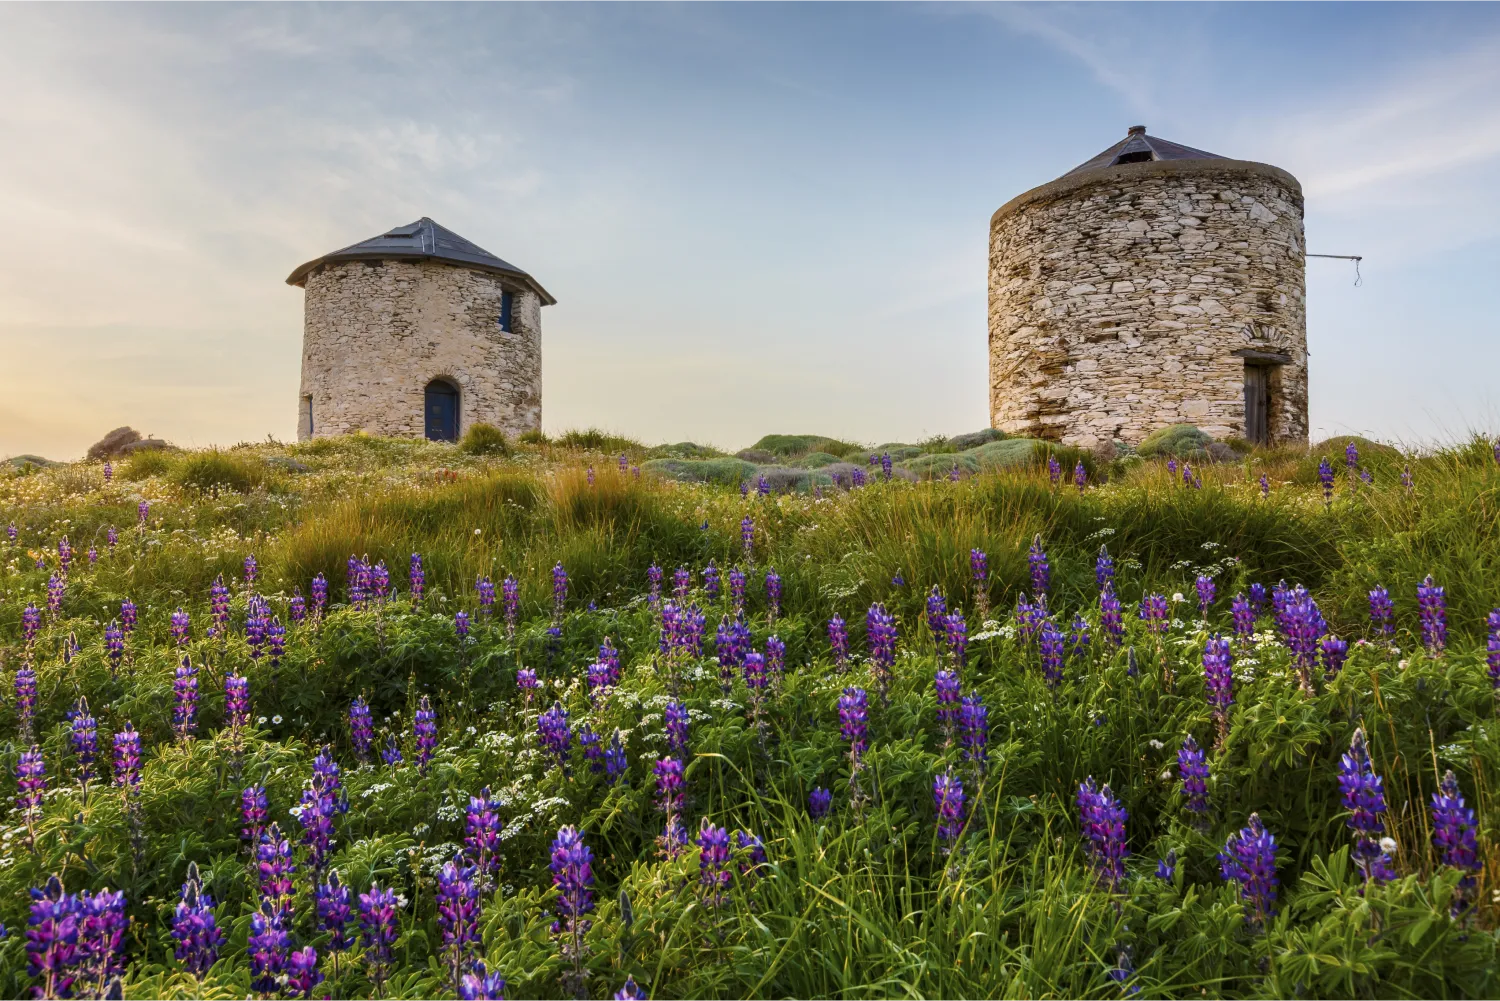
{"points": [[1139, 156], [441, 410], [307, 401], [507, 303]]}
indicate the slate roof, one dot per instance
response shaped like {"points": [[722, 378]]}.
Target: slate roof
{"points": [[1137, 147], [424, 240]]}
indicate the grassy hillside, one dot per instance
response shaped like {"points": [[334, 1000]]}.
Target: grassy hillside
{"points": [[898, 889]]}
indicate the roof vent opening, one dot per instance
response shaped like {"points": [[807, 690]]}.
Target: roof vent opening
{"points": [[1138, 156]]}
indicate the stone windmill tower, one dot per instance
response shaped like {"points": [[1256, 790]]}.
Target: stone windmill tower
{"points": [[1154, 284], [419, 333]]}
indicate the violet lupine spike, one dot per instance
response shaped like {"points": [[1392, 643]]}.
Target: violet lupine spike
{"points": [[31, 624], [937, 615], [554, 733], [775, 658], [838, 642], [1243, 614], [218, 605], [424, 727], [1325, 476], [1249, 859], [948, 798], [1104, 570], [252, 570], [713, 860], [302, 973], [1166, 869], [479, 984], [114, 646], [1102, 822], [1080, 477], [593, 748], [653, 577], [25, 686], [610, 658], [1050, 641], [380, 581], [1364, 798], [1265, 486], [482, 830], [1453, 835], [297, 607], [1154, 613], [57, 589], [1351, 456], [276, 640], [484, 589], [682, 583], [1192, 771], [885, 466], [101, 935], [1333, 651], [253, 813], [1041, 571], [956, 637], [510, 597], [457, 900], [880, 634], [111, 538], [737, 589], [818, 803], [127, 762], [379, 926], [1257, 597], [854, 718], [598, 682], [128, 617], [1305, 626], [747, 537], [143, 512], [677, 723], [1206, 589], [417, 578], [333, 909], [391, 753], [31, 784], [974, 730], [257, 625], [773, 593], [275, 869], [52, 946], [185, 701], [711, 581], [319, 595], [573, 875], [84, 737], [195, 928], [1432, 605], [461, 626], [1079, 638], [615, 761], [1218, 682], [762, 486], [669, 800], [1054, 469], [1382, 612], [361, 729], [1111, 621], [947, 686]]}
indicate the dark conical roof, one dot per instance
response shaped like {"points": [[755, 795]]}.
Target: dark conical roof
{"points": [[1137, 147], [424, 240]]}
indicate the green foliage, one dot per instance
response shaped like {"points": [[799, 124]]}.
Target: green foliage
{"points": [[791, 446], [146, 463], [484, 439], [594, 440], [723, 471], [214, 470], [1182, 441]]}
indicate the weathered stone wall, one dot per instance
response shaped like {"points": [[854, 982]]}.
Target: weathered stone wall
{"points": [[1119, 297], [375, 336]]}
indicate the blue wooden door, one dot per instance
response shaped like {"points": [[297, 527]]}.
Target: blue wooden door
{"points": [[442, 411]]}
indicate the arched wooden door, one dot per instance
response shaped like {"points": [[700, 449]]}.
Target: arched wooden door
{"points": [[442, 411]]}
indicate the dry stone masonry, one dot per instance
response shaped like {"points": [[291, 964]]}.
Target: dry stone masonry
{"points": [[415, 316], [1153, 285]]}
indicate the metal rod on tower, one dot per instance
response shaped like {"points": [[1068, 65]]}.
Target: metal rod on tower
{"points": [[1356, 258]]}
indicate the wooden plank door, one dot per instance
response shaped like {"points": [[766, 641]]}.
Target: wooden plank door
{"points": [[1257, 404]]}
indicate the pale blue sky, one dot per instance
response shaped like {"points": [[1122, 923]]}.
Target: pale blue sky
{"points": [[755, 218]]}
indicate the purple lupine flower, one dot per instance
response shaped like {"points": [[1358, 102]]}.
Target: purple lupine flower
{"points": [[1054, 469], [747, 537], [391, 753], [64, 555], [615, 761], [484, 588], [1265, 486], [979, 565], [1453, 835], [711, 581], [554, 733], [417, 577], [762, 485], [11, 532], [653, 577], [818, 803], [947, 684], [1249, 859], [1079, 638], [1104, 570], [610, 658], [1041, 572], [127, 745], [1351, 456], [319, 595], [1333, 651], [253, 811], [361, 728], [956, 635], [1382, 612], [315, 813], [31, 623], [380, 581], [838, 642], [457, 899], [180, 627], [752, 851], [276, 640], [1193, 771], [1432, 604], [31, 783], [775, 657], [1206, 591], [461, 626], [331, 902], [52, 946], [1304, 626], [25, 686], [937, 614], [101, 934], [773, 593], [598, 682], [948, 797], [84, 736], [425, 730], [128, 617], [1364, 798], [559, 589], [481, 985], [1080, 476], [275, 868], [593, 748], [185, 701], [737, 589], [1325, 476], [1110, 618], [1051, 643], [857, 477], [572, 868], [1154, 613], [1102, 820], [252, 569], [218, 603], [114, 646], [510, 597], [682, 583], [302, 974], [677, 722], [1257, 597], [297, 607], [1218, 681], [526, 681], [195, 928], [57, 588], [669, 781], [378, 928], [590, 475], [974, 729], [1166, 869], [713, 860], [1029, 617], [853, 719], [1244, 618], [885, 465], [482, 829]]}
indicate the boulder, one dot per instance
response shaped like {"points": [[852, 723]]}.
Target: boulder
{"points": [[113, 444], [963, 442]]}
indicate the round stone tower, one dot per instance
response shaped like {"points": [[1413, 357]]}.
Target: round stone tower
{"points": [[419, 333], [1152, 285]]}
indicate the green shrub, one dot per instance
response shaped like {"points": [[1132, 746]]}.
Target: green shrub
{"points": [[1182, 441], [595, 440], [817, 460], [684, 450], [142, 465], [963, 442], [937, 466], [790, 446], [217, 470], [484, 439], [726, 471], [537, 437]]}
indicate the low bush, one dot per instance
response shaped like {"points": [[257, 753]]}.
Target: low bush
{"points": [[484, 439]]}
